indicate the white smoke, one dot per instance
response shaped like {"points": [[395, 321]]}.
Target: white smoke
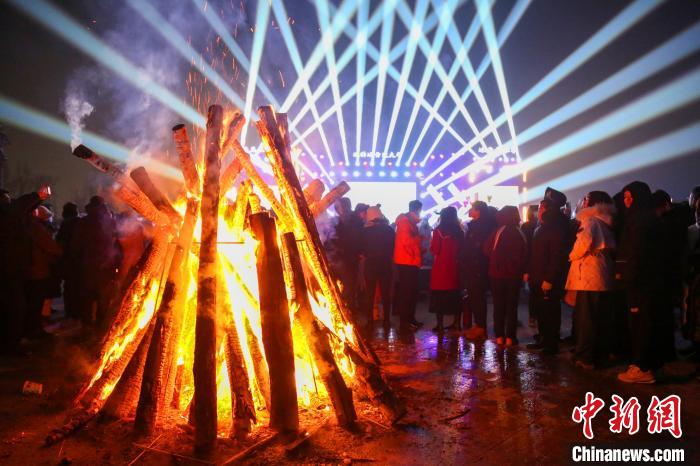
{"points": [[76, 110]]}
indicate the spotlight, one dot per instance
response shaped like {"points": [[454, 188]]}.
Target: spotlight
{"points": [[356, 174], [382, 174], [368, 174], [406, 174], [394, 174]]}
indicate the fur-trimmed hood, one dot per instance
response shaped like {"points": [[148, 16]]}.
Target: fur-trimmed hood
{"points": [[602, 211]]}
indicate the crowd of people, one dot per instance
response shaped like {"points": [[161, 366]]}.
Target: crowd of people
{"points": [[624, 264], [85, 260]]}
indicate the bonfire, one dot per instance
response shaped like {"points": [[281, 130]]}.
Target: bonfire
{"points": [[233, 320]]}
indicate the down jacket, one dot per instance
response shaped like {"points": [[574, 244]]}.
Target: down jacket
{"points": [[407, 247], [592, 266]]}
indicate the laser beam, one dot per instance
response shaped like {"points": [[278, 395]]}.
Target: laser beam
{"points": [[672, 51], [29, 119], [678, 93], [623, 21], [74, 33], [658, 150]]}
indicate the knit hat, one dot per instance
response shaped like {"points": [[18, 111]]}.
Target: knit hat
{"points": [[374, 213], [557, 197]]}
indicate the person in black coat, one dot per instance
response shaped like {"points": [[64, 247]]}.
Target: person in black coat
{"points": [[94, 246], [67, 266], [675, 236], [15, 266], [377, 248], [528, 228], [640, 257], [546, 273], [475, 265]]}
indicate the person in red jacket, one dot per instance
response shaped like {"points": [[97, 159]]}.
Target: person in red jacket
{"points": [[444, 276], [407, 257], [507, 252]]}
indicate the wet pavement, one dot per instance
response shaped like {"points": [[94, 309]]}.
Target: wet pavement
{"points": [[478, 402], [468, 403]]}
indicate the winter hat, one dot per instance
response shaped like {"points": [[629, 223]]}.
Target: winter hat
{"points": [[70, 210], [557, 197], [360, 207], [375, 213]]}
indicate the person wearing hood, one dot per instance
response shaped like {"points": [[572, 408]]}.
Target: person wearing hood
{"points": [[506, 250], [546, 272], [591, 277], [445, 247], [67, 265], [377, 249], [95, 248], [674, 229], [475, 265], [407, 257], [639, 254], [347, 249]]}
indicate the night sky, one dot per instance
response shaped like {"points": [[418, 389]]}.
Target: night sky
{"points": [[38, 68]]}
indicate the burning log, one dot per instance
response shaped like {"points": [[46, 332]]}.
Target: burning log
{"points": [[290, 190], [99, 162], [161, 352], [262, 373], [329, 199], [82, 418], [127, 330], [340, 394], [242, 407], [262, 186], [276, 328], [228, 178], [187, 162], [239, 213], [140, 203], [143, 181], [204, 368], [121, 402], [314, 191], [375, 388], [125, 192]]}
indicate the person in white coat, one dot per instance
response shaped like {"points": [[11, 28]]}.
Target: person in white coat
{"points": [[591, 277]]}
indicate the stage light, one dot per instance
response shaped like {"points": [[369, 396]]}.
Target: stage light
{"points": [[324, 21], [406, 174], [672, 51], [489, 32], [418, 18], [361, 61], [76, 34], [385, 42], [667, 98], [368, 174], [28, 119], [461, 51], [341, 16], [345, 173], [394, 174], [656, 151], [627, 18], [400, 48], [356, 173]]}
